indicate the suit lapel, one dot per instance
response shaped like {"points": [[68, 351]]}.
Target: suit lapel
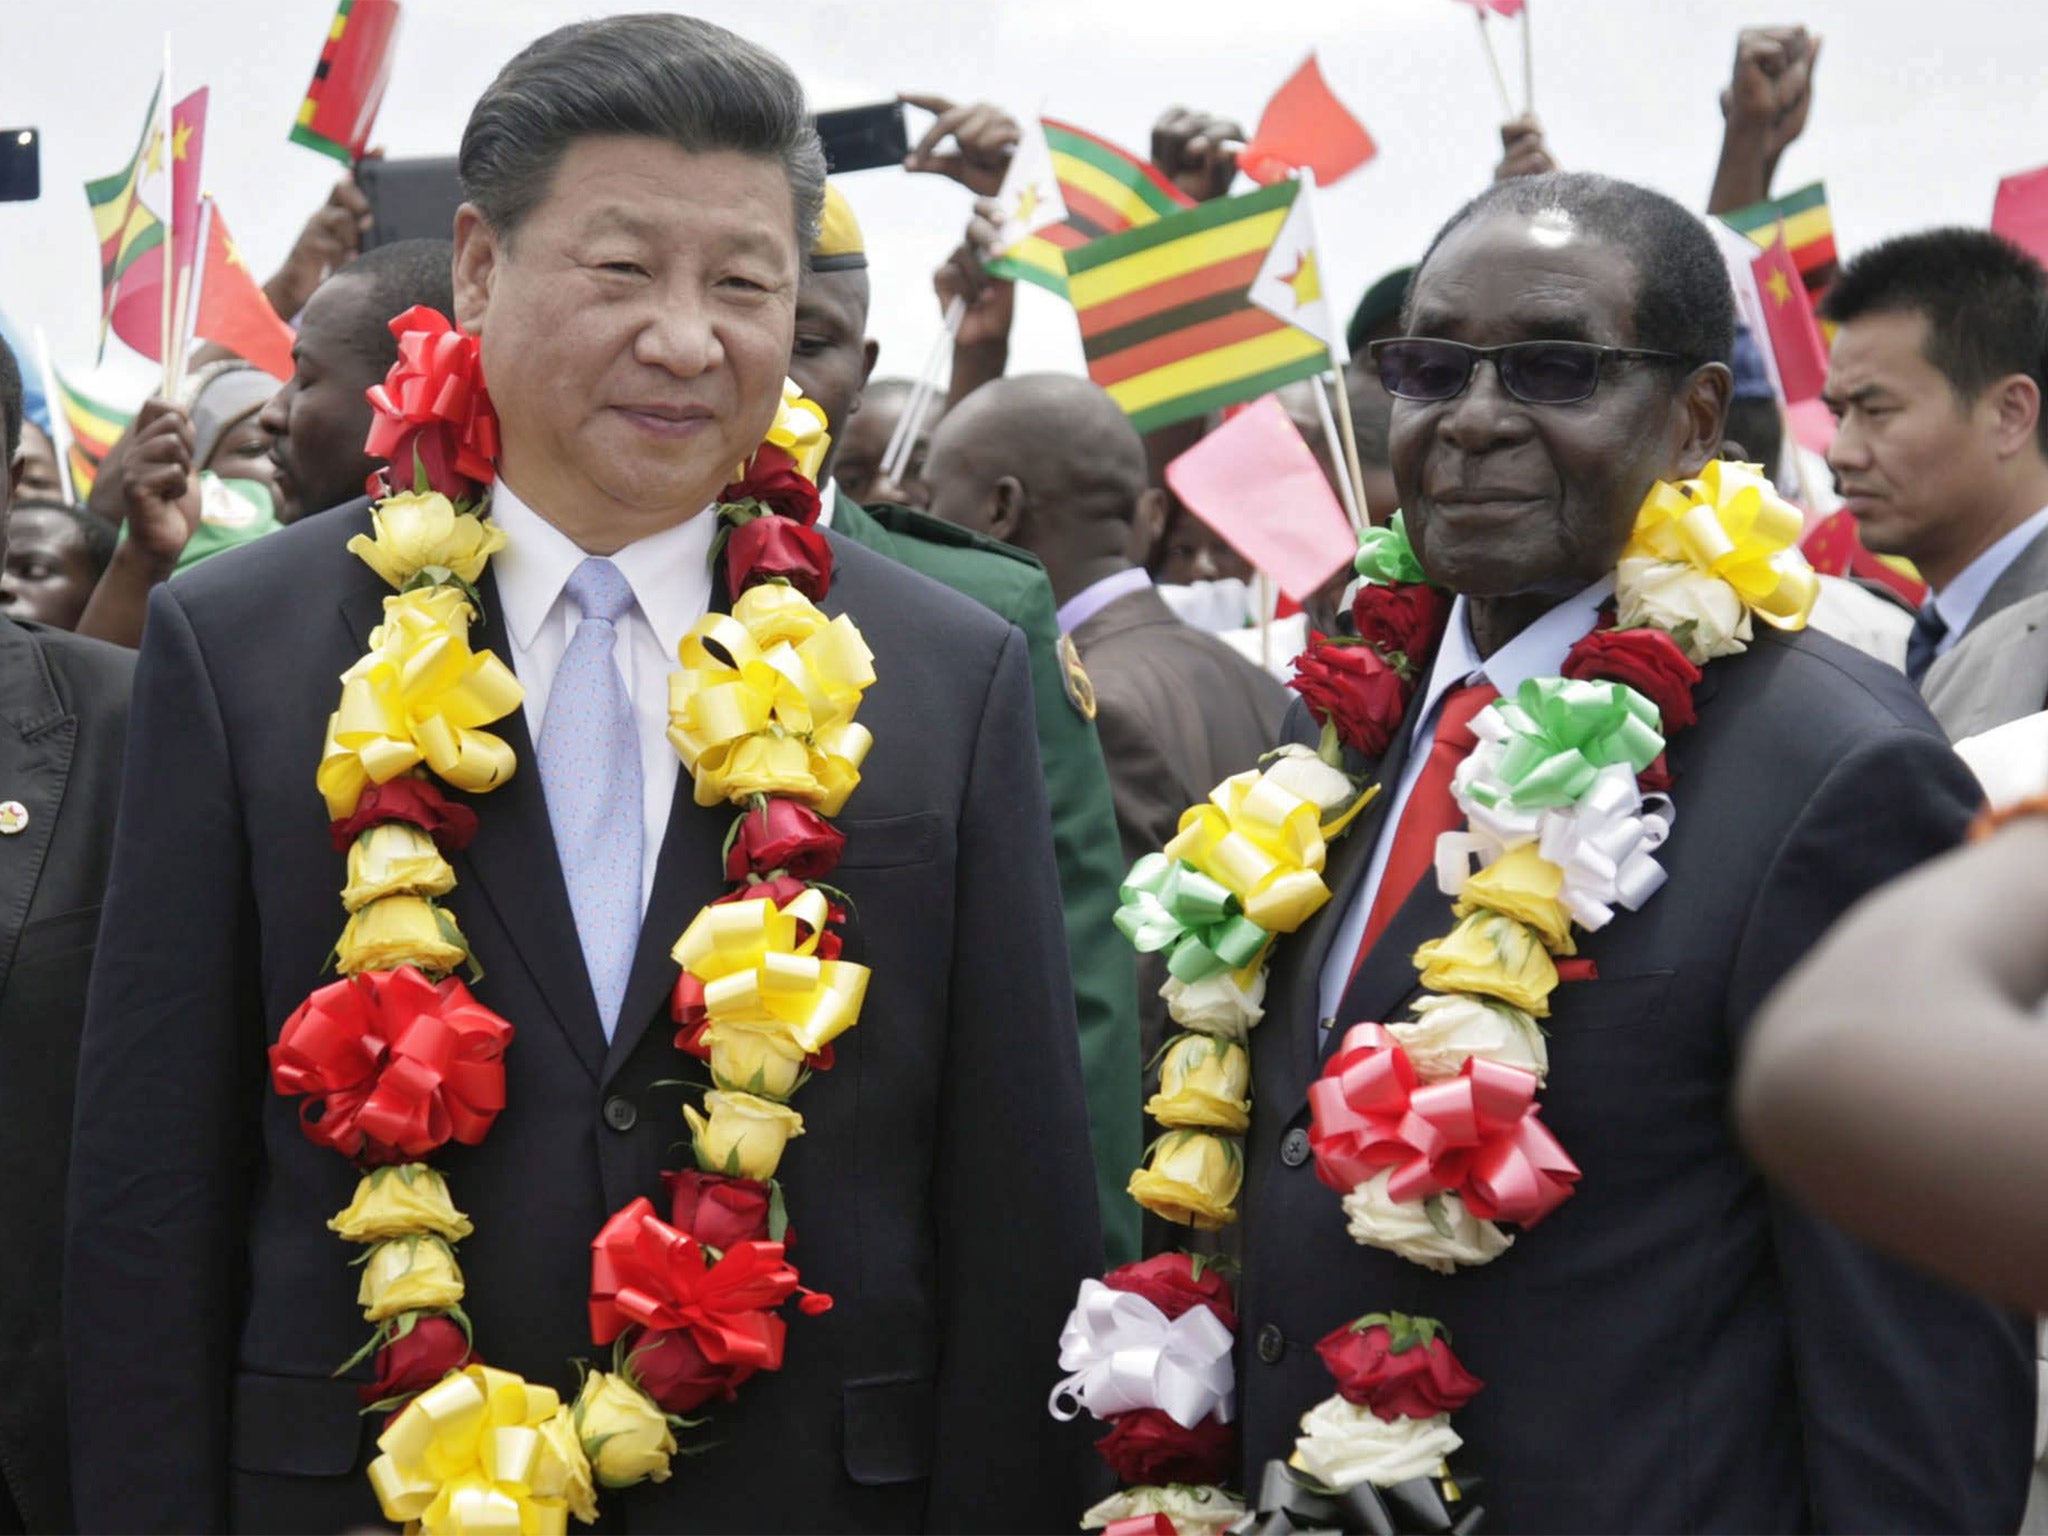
{"points": [[37, 739], [2026, 575], [688, 873]]}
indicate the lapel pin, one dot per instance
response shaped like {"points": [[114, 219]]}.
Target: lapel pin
{"points": [[13, 817]]}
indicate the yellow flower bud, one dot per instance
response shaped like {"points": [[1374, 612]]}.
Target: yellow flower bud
{"points": [[563, 1471], [394, 858], [1193, 1179], [764, 1063], [1524, 885], [1203, 1081], [409, 1274], [625, 1434], [400, 930], [744, 1135], [396, 1202], [414, 531], [1492, 955]]}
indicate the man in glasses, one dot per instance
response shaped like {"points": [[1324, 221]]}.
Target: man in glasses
{"points": [[1676, 1348]]}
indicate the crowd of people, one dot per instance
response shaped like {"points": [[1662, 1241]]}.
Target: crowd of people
{"points": [[1774, 1245]]}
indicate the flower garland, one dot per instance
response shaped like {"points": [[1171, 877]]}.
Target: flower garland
{"points": [[397, 1059]]}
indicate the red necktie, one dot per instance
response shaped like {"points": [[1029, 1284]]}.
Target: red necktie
{"points": [[1429, 812]]}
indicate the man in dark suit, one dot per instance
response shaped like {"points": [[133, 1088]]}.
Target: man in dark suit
{"points": [[63, 723], [1941, 452], [642, 190], [1677, 1347]]}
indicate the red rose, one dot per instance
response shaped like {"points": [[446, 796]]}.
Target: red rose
{"points": [[435, 1346], [1402, 620], [673, 1371], [1417, 1382], [1647, 660], [777, 548], [773, 479], [718, 1210], [1145, 1446], [418, 801], [432, 412], [784, 835], [1347, 685], [1170, 1283]]}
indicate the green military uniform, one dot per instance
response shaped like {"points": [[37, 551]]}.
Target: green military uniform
{"points": [[1013, 584]]}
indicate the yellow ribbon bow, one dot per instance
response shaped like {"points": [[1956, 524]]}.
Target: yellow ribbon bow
{"points": [[463, 1458], [420, 694], [1732, 523], [798, 430], [1263, 844], [760, 972], [765, 700]]}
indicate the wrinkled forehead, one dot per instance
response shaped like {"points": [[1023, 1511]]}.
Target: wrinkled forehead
{"points": [[1505, 276]]}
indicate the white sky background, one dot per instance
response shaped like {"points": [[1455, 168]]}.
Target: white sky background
{"points": [[1919, 109]]}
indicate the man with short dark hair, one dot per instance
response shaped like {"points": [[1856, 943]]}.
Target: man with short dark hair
{"points": [[642, 191], [1941, 453]]}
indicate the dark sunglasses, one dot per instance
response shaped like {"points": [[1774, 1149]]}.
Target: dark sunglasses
{"points": [[1534, 372]]}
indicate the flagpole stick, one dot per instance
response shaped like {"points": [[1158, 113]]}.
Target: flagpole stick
{"points": [[170, 245], [903, 430], [60, 424], [1528, 66], [1500, 81], [1337, 460], [1339, 354], [192, 284], [927, 386]]}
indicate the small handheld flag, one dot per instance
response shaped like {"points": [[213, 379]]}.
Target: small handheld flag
{"points": [[231, 308], [1289, 285], [1029, 198], [1305, 125], [1809, 231], [2020, 212], [341, 104], [1788, 318], [93, 427], [1103, 188]]}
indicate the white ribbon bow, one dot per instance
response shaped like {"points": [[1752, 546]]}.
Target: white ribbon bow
{"points": [[1124, 1353]]}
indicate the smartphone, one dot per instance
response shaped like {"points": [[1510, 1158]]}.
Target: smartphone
{"points": [[21, 166], [410, 199], [863, 138]]}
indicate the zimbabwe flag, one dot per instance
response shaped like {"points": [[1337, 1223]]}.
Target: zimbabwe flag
{"points": [[348, 81], [93, 427], [1106, 190], [1167, 320], [1809, 231]]}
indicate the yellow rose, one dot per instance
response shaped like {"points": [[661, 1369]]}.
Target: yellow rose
{"points": [[1203, 1081], [394, 858], [762, 1063], [416, 531], [1193, 1178], [421, 616], [744, 1136], [400, 930], [1524, 885], [395, 1202], [563, 1471], [409, 1274], [1492, 955], [625, 1434]]}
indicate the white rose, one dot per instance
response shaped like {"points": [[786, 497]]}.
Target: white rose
{"points": [[1297, 768], [1216, 1005], [1343, 1445], [1670, 595], [1447, 1030], [1194, 1511], [1403, 1227]]}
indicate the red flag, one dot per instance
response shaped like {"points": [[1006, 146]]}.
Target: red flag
{"points": [[1305, 126], [1834, 547], [1795, 339], [232, 309], [188, 147], [1257, 484], [2021, 212], [1498, 7], [137, 316]]}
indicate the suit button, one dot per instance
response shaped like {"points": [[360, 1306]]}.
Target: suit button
{"points": [[1294, 1148], [1272, 1344], [620, 1114]]}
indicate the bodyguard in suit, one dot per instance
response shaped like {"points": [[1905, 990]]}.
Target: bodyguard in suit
{"points": [[63, 723], [642, 190], [1941, 453], [1677, 1347]]}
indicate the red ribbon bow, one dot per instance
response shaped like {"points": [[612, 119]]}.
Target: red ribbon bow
{"points": [[434, 401], [392, 1065], [643, 1271], [1476, 1134]]}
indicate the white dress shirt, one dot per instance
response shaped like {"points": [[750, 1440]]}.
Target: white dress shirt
{"points": [[1958, 602], [1537, 651], [670, 574], [1098, 595]]}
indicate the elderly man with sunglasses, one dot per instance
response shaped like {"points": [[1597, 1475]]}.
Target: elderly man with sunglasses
{"points": [[1674, 1347]]}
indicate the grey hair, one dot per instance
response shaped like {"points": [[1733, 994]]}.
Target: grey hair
{"points": [[659, 76]]}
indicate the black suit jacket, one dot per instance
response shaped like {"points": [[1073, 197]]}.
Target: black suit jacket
{"points": [[63, 721], [941, 1191], [1678, 1347]]}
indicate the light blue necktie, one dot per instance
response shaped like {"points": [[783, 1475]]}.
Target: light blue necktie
{"points": [[590, 769]]}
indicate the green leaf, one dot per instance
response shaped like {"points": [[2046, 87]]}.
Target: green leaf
{"points": [[778, 1212], [1433, 1208]]}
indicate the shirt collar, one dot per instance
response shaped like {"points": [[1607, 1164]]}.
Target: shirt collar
{"points": [[1538, 651], [1096, 596], [669, 571], [1958, 602], [828, 499]]}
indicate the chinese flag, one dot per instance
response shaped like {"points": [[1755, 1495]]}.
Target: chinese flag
{"points": [[1306, 127], [188, 150], [232, 309], [1795, 339]]}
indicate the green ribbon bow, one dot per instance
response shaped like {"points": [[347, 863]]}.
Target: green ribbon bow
{"points": [[1385, 557], [1170, 905], [1562, 732]]}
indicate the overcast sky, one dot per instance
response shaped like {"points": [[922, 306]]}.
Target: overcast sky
{"points": [[1919, 109]]}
